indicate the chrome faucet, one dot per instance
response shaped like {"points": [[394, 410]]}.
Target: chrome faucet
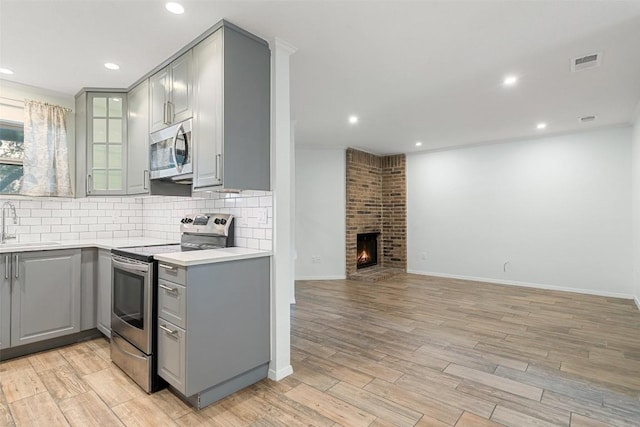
{"points": [[4, 236]]}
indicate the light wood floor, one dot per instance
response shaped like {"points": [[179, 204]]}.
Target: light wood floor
{"points": [[408, 351]]}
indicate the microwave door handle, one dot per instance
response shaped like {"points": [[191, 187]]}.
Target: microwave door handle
{"points": [[180, 133], [175, 152], [186, 148]]}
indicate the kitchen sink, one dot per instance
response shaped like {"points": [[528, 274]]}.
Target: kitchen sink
{"points": [[27, 245]]}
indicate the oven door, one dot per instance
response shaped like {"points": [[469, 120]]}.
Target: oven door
{"points": [[132, 296]]}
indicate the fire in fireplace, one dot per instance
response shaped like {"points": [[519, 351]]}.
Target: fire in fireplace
{"points": [[367, 249]]}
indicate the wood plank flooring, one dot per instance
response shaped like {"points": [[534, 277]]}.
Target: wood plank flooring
{"points": [[407, 351]]}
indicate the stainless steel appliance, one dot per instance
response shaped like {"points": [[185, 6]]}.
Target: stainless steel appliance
{"points": [[134, 293], [171, 153]]}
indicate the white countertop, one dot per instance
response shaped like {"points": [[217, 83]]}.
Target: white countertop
{"points": [[124, 242], [183, 259], [189, 258]]}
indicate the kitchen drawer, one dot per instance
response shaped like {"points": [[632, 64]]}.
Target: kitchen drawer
{"points": [[172, 302], [172, 273], [172, 354]]}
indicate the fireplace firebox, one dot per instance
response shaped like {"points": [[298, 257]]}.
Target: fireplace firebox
{"points": [[367, 249]]}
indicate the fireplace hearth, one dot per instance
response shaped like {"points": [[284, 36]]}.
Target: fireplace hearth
{"points": [[367, 249]]}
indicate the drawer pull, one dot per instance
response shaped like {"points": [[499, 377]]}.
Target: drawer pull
{"points": [[168, 267], [168, 289], [167, 330]]}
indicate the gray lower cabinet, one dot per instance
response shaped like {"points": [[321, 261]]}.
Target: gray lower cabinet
{"points": [[45, 295], [88, 285], [5, 301], [104, 292], [213, 327], [172, 348]]}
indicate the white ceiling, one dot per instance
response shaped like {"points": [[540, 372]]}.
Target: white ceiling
{"points": [[412, 71]]}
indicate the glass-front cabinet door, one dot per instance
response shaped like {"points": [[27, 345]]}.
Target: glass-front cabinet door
{"points": [[106, 137]]}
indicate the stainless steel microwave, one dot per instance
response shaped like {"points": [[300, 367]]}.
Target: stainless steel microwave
{"points": [[171, 152]]}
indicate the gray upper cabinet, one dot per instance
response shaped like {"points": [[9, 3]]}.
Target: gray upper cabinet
{"points": [[207, 126], [223, 82], [5, 301], [171, 93], [46, 297], [101, 142], [231, 130], [138, 139]]}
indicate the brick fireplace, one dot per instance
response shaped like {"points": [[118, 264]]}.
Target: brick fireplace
{"points": [[376, 203]]}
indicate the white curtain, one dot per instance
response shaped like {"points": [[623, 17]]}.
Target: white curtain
{"points": [[46, 152]]}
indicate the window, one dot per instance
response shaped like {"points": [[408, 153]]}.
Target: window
{"points": [[11, 154]]}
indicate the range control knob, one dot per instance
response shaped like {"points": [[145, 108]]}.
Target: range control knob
{"points": [[183, 220], [223, 221], [189, 220], [216, 221]]}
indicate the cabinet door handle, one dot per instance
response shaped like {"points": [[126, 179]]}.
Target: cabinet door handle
{"points": [[168, 289], [168, 267], [145, 179], [167, 330], [6, 266], [218, 158], [17, 266], [89, 183], [170, 112]]}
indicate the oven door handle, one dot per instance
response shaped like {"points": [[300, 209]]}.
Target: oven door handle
{"points": [[115, 342], [130, 267]]}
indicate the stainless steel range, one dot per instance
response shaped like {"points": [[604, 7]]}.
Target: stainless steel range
{"points": [[134, 293]]}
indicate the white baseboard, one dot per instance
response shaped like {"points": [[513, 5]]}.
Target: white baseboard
{"points": [[637, 300], [330, 277], [526, 284], [280, 374]]}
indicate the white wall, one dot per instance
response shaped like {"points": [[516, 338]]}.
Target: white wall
{"points": [[636, 207], [320, 213], [557, 209]]}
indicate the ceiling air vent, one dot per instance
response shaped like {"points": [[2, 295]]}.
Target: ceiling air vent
{"points": [[586, 119], [585, 62]]}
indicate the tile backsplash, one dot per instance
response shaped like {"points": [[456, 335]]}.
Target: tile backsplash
{"points": [[57, 219], [252, 211], [54, 218]]}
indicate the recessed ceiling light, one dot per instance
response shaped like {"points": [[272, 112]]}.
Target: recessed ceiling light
{"points": [[541, 125], [353, 119], [111, 66], [510, 80], [418, 144], [5, 71], [174, 8]]}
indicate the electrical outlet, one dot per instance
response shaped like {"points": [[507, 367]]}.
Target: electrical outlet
{"points": [[315, 259], [262, 215]]}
